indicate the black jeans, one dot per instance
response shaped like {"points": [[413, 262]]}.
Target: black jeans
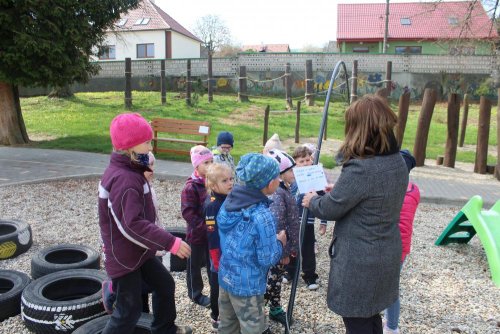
{"points": [[214, 295], [129, 300], [372, 325], [308, 256], [197, 260]]}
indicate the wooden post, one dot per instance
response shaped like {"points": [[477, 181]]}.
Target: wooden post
{"points": [[242, 94], [188, 83], [464, 121], [297, 123], [424, 123], [163, 83], [266, 125], [309, 83], [210, 82], [128, 83], [288, 86], [483, 132], [450, 153], [388, 78], [403, 107], [354, 87], [497, 168]]}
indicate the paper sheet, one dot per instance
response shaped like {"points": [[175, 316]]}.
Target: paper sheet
{"points": [[203, 129], [310, 178]]}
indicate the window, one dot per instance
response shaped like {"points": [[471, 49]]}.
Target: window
{"points": [[414, 50], [405, 21], [453, 21], [361, 49], [142, 21], [121, 23], [107, 52], [145, 50]]}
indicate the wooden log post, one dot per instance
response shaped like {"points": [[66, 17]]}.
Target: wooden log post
{"points": [[210, 78], [497, 168], [424, 123], [483, 132], [266, 125], [297, 124], [288, 86], [464, 121], [128, 83], [388, 78], [242, 94], [450, 153], [163, 83], [354, 84], [309, 83], [188, 83], [403, 108]]}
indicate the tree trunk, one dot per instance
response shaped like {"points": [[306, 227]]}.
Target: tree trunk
{"points": [[61, 92], [12, 129]]}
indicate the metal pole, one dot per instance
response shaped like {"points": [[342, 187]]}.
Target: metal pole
{"points": [[386, 31]]}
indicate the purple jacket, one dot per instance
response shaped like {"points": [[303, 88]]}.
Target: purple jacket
{"points": [[193, 198], [126, 218]]}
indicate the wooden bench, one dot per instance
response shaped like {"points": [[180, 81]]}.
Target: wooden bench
{"points": [[197, 133]]}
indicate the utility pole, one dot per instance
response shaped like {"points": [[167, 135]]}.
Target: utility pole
{"points": [[386, 31]]}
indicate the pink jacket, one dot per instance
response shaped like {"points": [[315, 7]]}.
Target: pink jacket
{"points": [[412, 198]]}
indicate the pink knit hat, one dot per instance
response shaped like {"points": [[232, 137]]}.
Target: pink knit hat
{"points": [[128, 130], [284, 160], [200, 154]]}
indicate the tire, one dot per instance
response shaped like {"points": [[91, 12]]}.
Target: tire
{"points": [[62, 301], [15, 238], [96, 326], [63, 257], [12, 284], [175, 263]]}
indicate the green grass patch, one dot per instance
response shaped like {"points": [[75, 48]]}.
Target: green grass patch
{"points": [[82, 122]]}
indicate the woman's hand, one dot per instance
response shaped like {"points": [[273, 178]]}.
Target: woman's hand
{"points": [[329, 187], [307, 198]]}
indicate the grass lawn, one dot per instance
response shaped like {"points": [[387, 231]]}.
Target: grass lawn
{"points": [[82, 122]]}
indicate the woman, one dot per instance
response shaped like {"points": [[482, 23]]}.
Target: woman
{"points": [[365, 203]]}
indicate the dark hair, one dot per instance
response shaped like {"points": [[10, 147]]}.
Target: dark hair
{"points": [[301, 152], [369, 124]]}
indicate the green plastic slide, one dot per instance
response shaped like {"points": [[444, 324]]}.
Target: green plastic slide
{"points": [[471, 220]]}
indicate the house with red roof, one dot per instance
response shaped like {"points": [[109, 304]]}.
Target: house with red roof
{"points": [[457, 27], [148, 32], [266, 48]]}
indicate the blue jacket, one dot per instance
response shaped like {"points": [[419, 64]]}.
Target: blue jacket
{"points": [[248, 242]]}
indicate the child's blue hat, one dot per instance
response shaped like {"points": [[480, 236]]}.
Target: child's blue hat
{"points": [[225, 137], [409, 159], [257, 170]]}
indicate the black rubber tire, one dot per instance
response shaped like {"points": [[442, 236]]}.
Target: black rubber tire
{"points": [[63, 257], [15, 238], [12, 284], [63, 301], [97, 325], [176, 263]]}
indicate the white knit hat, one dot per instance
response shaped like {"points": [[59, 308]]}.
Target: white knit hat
{"points": [[273, 143]]}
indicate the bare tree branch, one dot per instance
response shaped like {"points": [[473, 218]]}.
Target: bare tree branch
{"points": [[213, 32]]}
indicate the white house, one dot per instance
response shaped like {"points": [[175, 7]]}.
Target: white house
{"points": [[147, 32]]}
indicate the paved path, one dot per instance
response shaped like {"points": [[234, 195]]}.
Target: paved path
{"points": [[20, 165]]}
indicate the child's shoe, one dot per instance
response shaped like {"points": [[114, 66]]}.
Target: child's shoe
{"points": [[202, 300], [387, 330], [312, 284], [108, 296], [277, 314], [183, 330], [215, 325]]}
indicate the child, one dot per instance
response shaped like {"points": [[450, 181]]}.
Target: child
{"points": [[193, 197], [129, 234], [410, 204], [273, 143], [249, 246], [222, 152], [285, 211], [303, 157], [219, 182]]}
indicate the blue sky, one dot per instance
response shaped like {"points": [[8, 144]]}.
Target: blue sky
{"points": [[268, 21]]}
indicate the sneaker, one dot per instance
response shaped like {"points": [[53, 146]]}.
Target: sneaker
{"points": [[287, 278], [202, 300], [312, 284], [108, 296], [277, 314], [387, 330], [215, 325], [184, 330]]}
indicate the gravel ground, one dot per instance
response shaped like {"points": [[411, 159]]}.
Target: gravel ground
{"points": [[444, 289]]}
